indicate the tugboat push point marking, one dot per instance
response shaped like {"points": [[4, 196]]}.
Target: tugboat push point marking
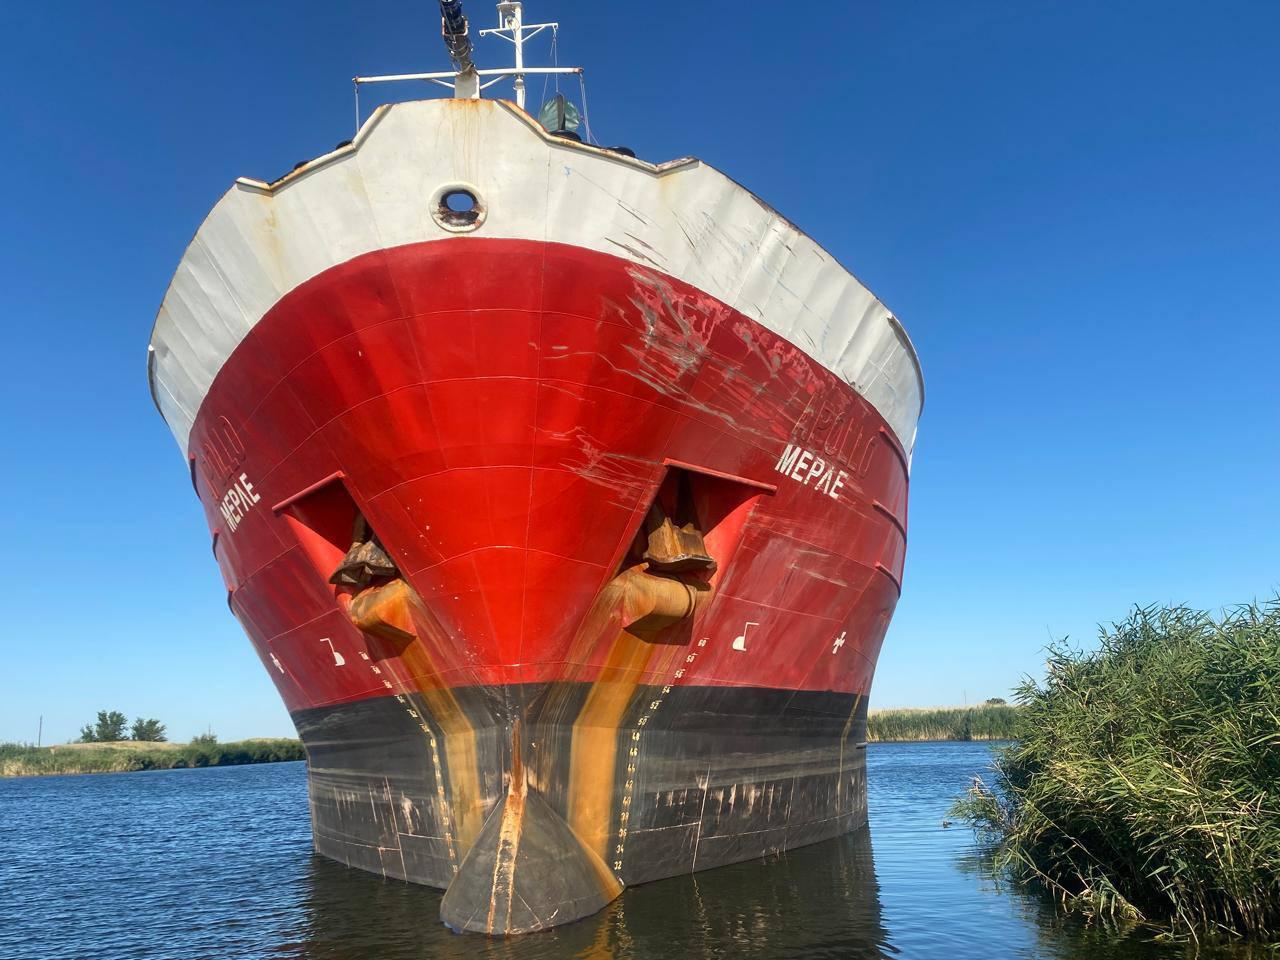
{"points": [[238, 501], [804, 465]]}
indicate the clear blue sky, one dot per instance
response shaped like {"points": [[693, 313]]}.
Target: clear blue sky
{"points": [[1074, 207]]}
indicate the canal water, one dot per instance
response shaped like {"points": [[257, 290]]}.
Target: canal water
{"points": [[217, 864]]}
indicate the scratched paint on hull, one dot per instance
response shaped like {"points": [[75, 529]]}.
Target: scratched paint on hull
{"points": [[504, 439], [727, 774]]}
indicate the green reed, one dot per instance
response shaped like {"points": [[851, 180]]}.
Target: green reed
{"points": [[1145, 780], [17, 760], [986, 722]]}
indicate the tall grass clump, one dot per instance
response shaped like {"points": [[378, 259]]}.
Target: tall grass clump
{"points": [[1145, 780], [995, 721]]}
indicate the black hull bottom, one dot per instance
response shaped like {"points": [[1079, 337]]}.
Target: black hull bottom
{"points": [[530, 812]]}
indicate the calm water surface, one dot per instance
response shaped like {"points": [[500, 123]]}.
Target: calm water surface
{"points": [[217, 864]]}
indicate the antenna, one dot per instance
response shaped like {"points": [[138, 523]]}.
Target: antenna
{"points": [[466, 81]]}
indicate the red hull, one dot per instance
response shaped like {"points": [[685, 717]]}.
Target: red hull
{"points": [[503, 413]]}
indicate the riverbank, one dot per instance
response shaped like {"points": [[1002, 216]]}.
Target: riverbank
{"points": [[21, 760], [995, 721]]}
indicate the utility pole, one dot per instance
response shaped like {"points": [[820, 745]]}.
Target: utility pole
{"points": [[40, 733]]}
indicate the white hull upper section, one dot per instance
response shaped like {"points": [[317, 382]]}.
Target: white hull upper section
{"points": [[683, 218]]}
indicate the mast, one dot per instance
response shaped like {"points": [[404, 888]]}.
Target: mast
{"points": [[511, 18], [465, 80]]}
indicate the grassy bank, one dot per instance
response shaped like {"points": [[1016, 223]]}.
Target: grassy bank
{"points": [[986, 722], [1145, 780], [18, 760]]}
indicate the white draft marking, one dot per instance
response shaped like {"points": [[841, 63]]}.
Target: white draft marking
{"points": [[839, 641], [628, 788], [740, 642], [276, 661], [338, 659]]}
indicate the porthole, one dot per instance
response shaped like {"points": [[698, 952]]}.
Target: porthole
{"points": [[458, 207], [460, 201]]}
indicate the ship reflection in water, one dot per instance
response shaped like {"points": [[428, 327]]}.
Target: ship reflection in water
{"points": [[817, 901], [216, 864]]}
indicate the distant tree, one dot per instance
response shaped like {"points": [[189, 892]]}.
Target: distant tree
{"points": [[110, 728], [204, 739], [996, 702], [148, 730]]}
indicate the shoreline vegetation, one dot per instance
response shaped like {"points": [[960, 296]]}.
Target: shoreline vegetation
{"points": [[993, 720], [1144, 783], [127, 756]]}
